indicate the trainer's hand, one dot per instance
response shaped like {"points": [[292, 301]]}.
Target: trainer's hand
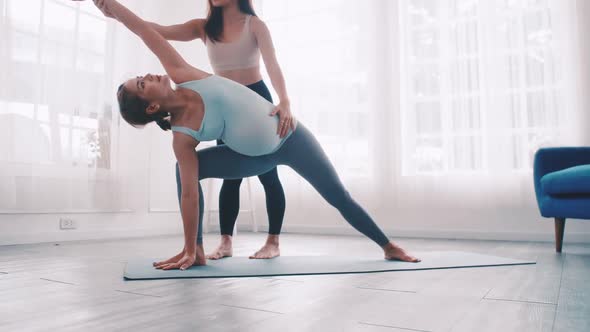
{"points": [[286, 120]]}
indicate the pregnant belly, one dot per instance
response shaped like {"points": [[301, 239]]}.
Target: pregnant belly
{"points": [[254, 138]]}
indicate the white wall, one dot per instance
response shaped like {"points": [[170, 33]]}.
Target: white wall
{"points": [[146, 167]]}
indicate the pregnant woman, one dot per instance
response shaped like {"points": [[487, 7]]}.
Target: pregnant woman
{"points": [[208, 107], [236, 39]]}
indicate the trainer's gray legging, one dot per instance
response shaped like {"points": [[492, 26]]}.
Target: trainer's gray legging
{"points": [[302, 153]]}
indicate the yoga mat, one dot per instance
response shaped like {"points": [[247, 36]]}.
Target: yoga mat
{"points": [[141, 269]]}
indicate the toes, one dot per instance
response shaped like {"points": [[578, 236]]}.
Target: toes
{"points": [[265, 256], [256, 255], [413, 259]]}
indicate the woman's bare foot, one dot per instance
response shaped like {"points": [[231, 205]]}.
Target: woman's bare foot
{"points": [[224, 249], [395, 253], [269, 250]]}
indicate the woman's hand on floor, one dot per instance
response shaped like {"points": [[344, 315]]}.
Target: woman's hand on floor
{"points": [[182, 261]]}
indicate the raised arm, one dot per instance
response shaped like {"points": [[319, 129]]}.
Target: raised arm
{"points": [[191, 30], [176, 67]]}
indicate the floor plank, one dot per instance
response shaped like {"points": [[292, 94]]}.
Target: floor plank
{"points": [[573, 310], [77, 286]]}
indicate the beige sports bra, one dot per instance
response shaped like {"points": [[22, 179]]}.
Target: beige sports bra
{"points": [[240, 54]]}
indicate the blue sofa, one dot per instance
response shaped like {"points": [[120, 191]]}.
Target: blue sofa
{"points": [[562, 185]]}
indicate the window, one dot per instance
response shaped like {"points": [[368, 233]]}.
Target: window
{"points": [[56, 123], [482, 84], [322, 49], [55, 88]]}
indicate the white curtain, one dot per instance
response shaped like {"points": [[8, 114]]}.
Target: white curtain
{"points": [[57, 128], [431, 110], [485, 84]]}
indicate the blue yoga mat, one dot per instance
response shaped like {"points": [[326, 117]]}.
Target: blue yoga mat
{"points": [[141, 269]]}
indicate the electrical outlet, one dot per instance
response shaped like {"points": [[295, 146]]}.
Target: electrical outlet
{"points": [[65, 223]]}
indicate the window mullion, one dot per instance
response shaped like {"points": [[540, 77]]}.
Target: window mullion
{"points": [[486, 77], [522, 128], [445, 68]]}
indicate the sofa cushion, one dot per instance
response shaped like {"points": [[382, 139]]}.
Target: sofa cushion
{"points": [[573, 180]]}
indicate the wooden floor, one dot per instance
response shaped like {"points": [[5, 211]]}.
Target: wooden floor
{"points": [[78, 286]]}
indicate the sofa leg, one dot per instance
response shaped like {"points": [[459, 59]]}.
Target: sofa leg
{"points": [[559, 229]]}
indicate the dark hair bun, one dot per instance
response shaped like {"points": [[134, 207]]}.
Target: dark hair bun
{"points": [[164, 122]]}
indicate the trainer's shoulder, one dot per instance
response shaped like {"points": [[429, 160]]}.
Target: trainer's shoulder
{"points": [[257, 24], [198, 27]]}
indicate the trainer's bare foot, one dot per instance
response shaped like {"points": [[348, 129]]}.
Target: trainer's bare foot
{"points": [[269, 250], [395, 253], [224, 249]]}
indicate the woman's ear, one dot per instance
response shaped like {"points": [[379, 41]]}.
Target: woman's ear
{"points": [[152, 109]]}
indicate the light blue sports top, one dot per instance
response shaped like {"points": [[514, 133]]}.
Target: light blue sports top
{"points": [[235, 114]]}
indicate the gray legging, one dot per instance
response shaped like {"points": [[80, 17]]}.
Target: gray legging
{"points": [[302, 153]]}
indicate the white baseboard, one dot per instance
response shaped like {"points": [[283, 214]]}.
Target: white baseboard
{"points": [[454, 234], [458, 234], [64, 236]]}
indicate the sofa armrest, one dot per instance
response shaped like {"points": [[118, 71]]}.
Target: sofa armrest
{"points": [[549, 160]]}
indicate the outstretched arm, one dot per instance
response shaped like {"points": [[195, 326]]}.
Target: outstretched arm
{"points": [[184, 149], [190, 30], [192, 254], [176, 67]]}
